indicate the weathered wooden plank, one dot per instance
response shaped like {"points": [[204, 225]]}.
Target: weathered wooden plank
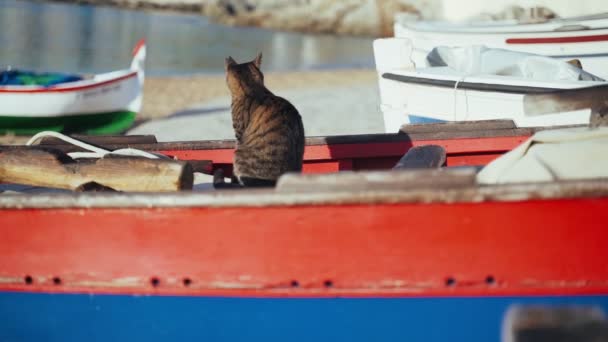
{"points": [[47, 167], [599, 117], [316, 141], [455, 130], [378, 180], [459, 126], [590, 189], [566, 100], [422, 157]]}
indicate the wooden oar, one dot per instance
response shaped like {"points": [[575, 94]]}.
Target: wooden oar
{"points": [[48, 167], [566, 100]]}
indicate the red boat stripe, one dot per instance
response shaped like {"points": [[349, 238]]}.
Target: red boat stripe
{"points": [[557, 40], [138, 46], [454, 147], [458, 249], [66, 89]]}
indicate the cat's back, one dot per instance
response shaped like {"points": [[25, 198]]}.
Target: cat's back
{"points": [[274, 119], [273, 142]]}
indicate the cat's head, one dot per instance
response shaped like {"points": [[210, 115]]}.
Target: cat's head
{"points": [[244, 77]]}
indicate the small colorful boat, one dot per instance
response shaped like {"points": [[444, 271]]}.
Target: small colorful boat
{"points": [[425, 258], [584, 38], [101, 104]]}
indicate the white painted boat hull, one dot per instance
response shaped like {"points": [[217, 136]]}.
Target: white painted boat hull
{"points": [[103, 104], [121, 94], [585, 39], [410, 95], [108, 92]]}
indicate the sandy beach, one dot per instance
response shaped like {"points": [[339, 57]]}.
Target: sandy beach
{"points": [[197, 107], [166, 95]]}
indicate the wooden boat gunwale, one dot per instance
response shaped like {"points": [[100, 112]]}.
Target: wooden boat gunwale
{"points": [[573, 189], [413, 132], [466, 143], [404, 190], [477, 86]]}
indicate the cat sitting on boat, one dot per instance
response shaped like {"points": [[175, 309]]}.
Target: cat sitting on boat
{"points": [[269, 130]]}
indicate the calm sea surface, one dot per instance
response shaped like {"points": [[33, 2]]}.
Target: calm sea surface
{"points": [[82, 38]]}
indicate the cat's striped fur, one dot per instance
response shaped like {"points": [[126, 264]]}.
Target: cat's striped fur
{"points": [[268, 129]]}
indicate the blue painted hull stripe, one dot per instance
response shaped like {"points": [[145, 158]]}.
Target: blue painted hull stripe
{"points": [[415, 119], [71, 317]]}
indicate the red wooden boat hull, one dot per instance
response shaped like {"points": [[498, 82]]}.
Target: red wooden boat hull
{"points": [[400, 249], [380, 270], [346, 263]]}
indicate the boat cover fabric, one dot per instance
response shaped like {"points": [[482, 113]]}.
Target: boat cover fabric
{"points": [[481, 60], [563, 154], [23, 77]]}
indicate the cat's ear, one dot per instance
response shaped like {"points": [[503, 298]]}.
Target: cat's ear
{"points": [[228, 62], [258, 60]]}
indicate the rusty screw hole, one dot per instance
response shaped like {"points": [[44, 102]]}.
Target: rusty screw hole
{"points": [[154, 282], [450, 281], [56, 280], [295, 283], [328, 283], [187, 282], [490, 280], [28, 279]]}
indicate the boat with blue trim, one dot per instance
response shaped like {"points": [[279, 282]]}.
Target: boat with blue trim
{"points": [[422, 255], [99, 104]]}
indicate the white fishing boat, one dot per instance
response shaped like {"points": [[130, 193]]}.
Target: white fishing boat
{"points": [[99, 104], [472, 83], [584, 38]]}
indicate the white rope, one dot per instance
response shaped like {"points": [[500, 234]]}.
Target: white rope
{"points": [[456, 96], [94, 152]]}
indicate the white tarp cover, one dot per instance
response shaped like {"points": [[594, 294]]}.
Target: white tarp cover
{"points": [[481, 60], [563, 154]]}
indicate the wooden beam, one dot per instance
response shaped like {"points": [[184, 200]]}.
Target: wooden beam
{"points": [[378, 180], [459, 126], [47, 167], [566, 100]]}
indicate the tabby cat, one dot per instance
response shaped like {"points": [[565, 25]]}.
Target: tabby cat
{"points": [[268, 129]]}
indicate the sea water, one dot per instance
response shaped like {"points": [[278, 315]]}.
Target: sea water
{"points": [[83, 38]]}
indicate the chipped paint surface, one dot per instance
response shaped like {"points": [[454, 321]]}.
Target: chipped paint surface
{"points": [[314, 250], [270, 198], [10, 280], [117, 282]]}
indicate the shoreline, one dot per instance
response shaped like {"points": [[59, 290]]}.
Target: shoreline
{"points": [[166, 95], [158, 6], [364, 18]]}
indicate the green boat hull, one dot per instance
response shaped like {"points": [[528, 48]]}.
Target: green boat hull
{"points": [[93, 124]]}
